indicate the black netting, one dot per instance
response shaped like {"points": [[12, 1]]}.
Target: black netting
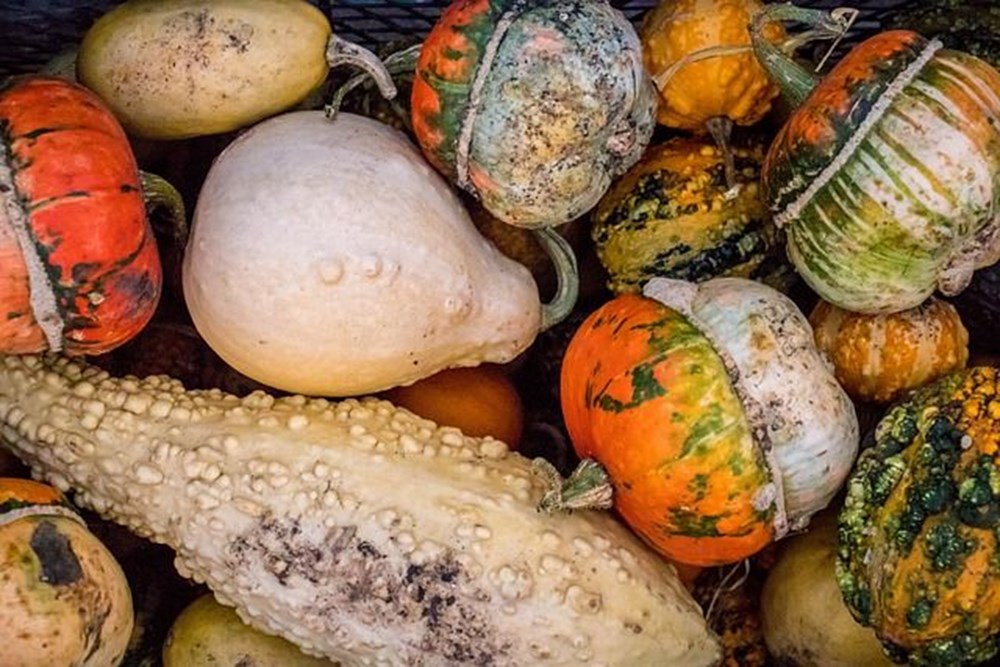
{"points": [[33, 31]]}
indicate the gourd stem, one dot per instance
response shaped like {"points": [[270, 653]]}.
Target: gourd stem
{"points": [[341, 52], [587, 488], [721, 129], [794, 80], [567, 277], [157, 192], [398, 65]]}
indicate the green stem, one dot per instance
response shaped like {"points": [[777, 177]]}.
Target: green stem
{"points": [[341, 52], [795, 81], [157, 192], [567, 277], [399, 65], [587, 488]]}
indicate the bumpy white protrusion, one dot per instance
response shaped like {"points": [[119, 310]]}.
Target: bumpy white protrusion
{"points": [[362, 563]]}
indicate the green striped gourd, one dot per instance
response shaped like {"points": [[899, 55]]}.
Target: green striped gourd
{"points": [[887, 175], [672, 215]]}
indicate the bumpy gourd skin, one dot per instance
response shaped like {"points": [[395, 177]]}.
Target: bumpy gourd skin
{"points": [[918, 557]]}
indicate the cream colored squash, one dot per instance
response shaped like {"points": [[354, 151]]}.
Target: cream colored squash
{"points": [[328, 258]]}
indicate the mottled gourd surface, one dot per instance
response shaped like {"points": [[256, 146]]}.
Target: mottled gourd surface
{"points": [[356, 530], [918, 557], [885, 179]]}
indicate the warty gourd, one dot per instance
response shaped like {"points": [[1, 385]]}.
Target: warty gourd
{"points": [[355, 529]]}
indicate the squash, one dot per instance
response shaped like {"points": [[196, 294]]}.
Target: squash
{"points": [[173, 69], [885, 178], [480, 401], [532, 107], [805, 621], [688, 401], [65, 598], [919, 528], [208, 634], [673, 215], [79, 266], [301, 277], [355, 529], [879, 358], [701, 60]]}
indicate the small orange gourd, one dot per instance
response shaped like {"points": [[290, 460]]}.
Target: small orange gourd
{"points": [[879, 358], [480, 401]]}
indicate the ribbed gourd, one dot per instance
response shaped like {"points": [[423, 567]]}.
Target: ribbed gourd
{"points": [[920, 526], [881, 357], [687, 402], [886, 177], [673, 215]]}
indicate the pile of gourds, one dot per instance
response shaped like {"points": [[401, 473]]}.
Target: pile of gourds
{"points": [[388, 493]]}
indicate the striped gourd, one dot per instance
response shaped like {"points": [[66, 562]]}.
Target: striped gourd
{"points": [[887, 175], [672, 215]]}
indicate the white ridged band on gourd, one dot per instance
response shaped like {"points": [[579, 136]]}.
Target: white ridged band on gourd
{"points": [[800, 414], [355, 529]]}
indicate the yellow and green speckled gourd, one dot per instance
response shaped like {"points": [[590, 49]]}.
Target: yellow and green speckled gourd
{"points": [[673, 215], [920, 527], [886, 177]]}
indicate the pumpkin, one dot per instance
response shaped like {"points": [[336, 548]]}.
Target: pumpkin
{"points": [[804, 619], [66, 600], [480, 401], [350, 293], [533, 107], [881, 357], [703, 65], [353, 529], [79, 266], [673, 215], [693, 414], [173, 69], [209, 634], [885, 177], [918, 532]]}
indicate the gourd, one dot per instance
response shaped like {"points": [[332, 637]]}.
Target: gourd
{"points": [[673, 215], [173, 69], [480, 401], [918, 529], [302, 278], [66, 600], [885, 178], [701, 60], [353, 529], [805, 621], [208, 634], [687, 400], [79, 266], [533, 107], [881, 357]]}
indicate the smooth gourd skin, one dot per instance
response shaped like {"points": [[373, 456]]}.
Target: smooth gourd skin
{"points": [[65, 598], [301, 277], [917, 559], [533, 107], [79, 268], [881, 357], [172, 69], [354, 529], [670, 216], [729, 85], [645, 394], [887, 178]]}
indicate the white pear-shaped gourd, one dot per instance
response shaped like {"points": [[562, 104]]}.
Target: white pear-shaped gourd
{"points": [[328, 258], [801, 415]]}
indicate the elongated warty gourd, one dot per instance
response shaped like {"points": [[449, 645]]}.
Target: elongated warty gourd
{"points": [[355, 529]]}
